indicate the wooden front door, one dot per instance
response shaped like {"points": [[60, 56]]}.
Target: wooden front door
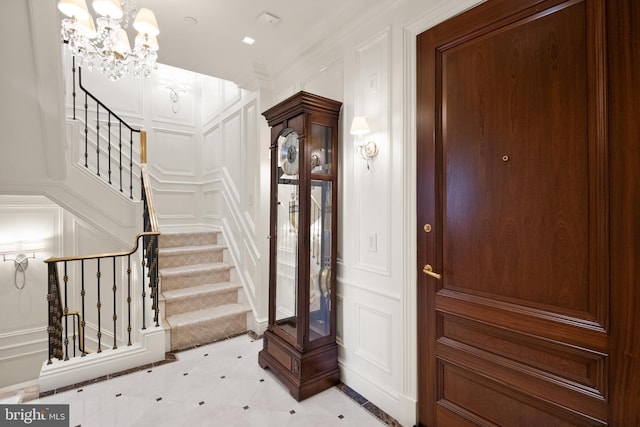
{"points": [[513, 216]]}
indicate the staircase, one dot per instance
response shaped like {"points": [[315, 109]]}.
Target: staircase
{"points": [[200, 295]]}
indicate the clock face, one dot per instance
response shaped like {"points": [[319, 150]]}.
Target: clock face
{"points": [[289, 151]]}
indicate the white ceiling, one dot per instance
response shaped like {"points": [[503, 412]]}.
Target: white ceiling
{"points": [[214, 45]]}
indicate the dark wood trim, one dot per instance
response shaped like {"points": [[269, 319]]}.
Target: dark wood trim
{"points": [[623, 60]]}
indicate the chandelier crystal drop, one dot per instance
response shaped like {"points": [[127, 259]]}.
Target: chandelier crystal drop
{"points": [[107, 47]]}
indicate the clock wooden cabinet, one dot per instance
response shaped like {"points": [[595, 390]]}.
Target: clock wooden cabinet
{"points": [[300, 340]]}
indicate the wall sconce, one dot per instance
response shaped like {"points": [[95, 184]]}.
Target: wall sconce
{"points": [[21, 262], [174, 96], [368, 150]]}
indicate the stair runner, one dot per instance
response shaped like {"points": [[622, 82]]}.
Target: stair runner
{"points": [[200, 296]]}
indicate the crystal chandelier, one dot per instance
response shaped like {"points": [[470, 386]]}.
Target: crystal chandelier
{"points": [[108, 48]]}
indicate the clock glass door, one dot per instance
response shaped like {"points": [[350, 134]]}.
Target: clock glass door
{"points": [[320, 260], [287, 233], [321, 216]]}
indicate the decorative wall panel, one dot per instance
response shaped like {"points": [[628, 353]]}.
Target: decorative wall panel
{"points": [[173, 153], [372, 182], [232, 136], [251, 159], [213, 203], [174, 204], [373, 331], [174, 100], [211, 151]]}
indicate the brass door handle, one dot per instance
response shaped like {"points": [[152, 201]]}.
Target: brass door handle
{"points": [[429, 270]]}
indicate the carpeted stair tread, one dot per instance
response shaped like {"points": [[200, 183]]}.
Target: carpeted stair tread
{"points": [[188, 238], [194, 269], [200, 290], [185, 250], [206, 315]]}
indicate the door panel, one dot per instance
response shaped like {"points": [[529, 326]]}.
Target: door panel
{"points": [[512, 178]]}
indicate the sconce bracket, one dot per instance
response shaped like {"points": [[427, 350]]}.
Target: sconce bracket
{"points": [[370, 150], [21, 262]]}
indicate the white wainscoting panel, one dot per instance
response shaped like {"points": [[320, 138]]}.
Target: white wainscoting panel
{"points": [[175, 204], [231, 94], [251, 162], [173, 154], [211, 150], [210, 102], [27, 223], [373, 329], [213, 203], [373, 186], [340, 320], [371, 343], [233, 147]]}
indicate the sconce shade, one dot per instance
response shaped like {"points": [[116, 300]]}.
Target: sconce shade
{"points": [[146, 22], [71, 8], [359, 126], [110, 8]]}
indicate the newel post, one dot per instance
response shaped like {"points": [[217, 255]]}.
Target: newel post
{"points": [[143, 146]]}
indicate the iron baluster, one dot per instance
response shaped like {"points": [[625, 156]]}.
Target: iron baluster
{"points": [[144, 290], [109, 144], [115, 314], [120, 146], [99, 306], [131, 166], [86, 128], [129, 298], [74, 336], [66, 311], [98, 139], [73, 94], [82, 294]]}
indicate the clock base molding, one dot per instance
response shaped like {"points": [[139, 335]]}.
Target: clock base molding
{"points": [[303, 373]]}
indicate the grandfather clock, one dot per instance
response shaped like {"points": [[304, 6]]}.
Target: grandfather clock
{"points": [[300, 340]]}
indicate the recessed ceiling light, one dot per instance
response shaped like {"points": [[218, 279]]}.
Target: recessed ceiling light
{"points": [[190, 20], [248, 40]]}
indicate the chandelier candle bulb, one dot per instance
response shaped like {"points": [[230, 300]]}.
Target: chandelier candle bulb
{"points": [[122, 44]]}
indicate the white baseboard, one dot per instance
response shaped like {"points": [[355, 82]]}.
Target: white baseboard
{"points": [[64, 373], [256, 325], [407, 410]]}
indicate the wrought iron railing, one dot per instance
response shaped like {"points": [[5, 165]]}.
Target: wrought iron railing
{"points": [[111, 281], [114, 279], [107, 152]]}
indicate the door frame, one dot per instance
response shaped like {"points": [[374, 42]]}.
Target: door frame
{"points": [[410, 321]]}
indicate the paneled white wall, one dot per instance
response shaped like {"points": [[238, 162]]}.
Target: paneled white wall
{"points": [[25, 221], [232, 181]]}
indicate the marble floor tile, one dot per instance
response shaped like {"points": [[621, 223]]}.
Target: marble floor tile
{"points": [[219, 384]]}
